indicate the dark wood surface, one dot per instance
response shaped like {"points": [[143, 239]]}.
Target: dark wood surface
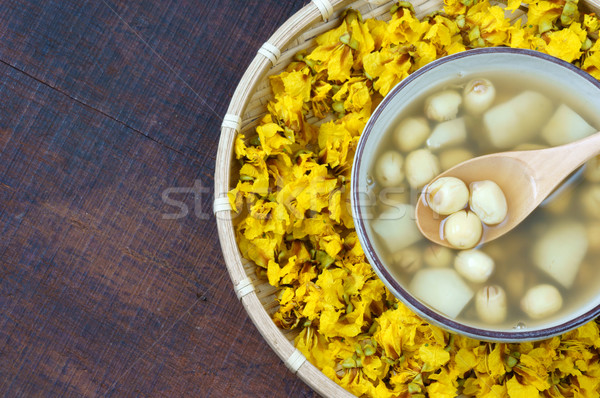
{"points": [[110, 113]]}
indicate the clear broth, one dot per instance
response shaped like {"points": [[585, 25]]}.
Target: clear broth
{"points": [[512, 253]]}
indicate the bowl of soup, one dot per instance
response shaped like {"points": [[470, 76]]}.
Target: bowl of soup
{"points": [[539, 280]]}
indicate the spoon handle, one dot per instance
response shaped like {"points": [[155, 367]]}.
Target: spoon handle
{"points": [[550, 166], [577, 153]]}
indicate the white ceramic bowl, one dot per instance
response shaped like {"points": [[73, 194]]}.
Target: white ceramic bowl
{"points": [[464, 64]]}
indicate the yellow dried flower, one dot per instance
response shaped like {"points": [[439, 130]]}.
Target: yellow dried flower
{"points": [[293, 195], [591, 63], [566, 43], [591, 23], [490, 22], [543, 14]]}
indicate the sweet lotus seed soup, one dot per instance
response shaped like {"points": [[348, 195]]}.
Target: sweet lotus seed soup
{"points": [[537, 274]]}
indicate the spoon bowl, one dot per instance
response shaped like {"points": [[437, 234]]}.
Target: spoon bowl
{"points": [[525, 177]]}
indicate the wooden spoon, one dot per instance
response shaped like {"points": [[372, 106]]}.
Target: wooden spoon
{"points": [[525, 177]]}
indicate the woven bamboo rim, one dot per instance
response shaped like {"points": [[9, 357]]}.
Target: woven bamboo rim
{"points": [[247, 106]]}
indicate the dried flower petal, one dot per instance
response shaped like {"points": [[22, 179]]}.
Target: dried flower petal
{"points": [[293, 195]]}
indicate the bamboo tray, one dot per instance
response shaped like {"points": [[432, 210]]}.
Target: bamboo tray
{"points": [[247, 106]]}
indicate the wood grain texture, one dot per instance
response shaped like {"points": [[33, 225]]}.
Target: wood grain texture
{"points": [[110, 113]]}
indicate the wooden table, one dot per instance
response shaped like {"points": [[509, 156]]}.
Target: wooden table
{"points": [[112, 281]]}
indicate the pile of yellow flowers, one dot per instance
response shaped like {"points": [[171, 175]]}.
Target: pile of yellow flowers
{"points": [[293, 200]]}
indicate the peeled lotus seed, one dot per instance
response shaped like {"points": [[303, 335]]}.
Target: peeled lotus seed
{"points": [[388, 170], [411, 133], [447, 195], [490, 302], [421, 167], [448, 133], [463, 229], [437, 256], [488, 202], [541, 301], [474, 265], [443, 106], [479, 94], [408, 260]]}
